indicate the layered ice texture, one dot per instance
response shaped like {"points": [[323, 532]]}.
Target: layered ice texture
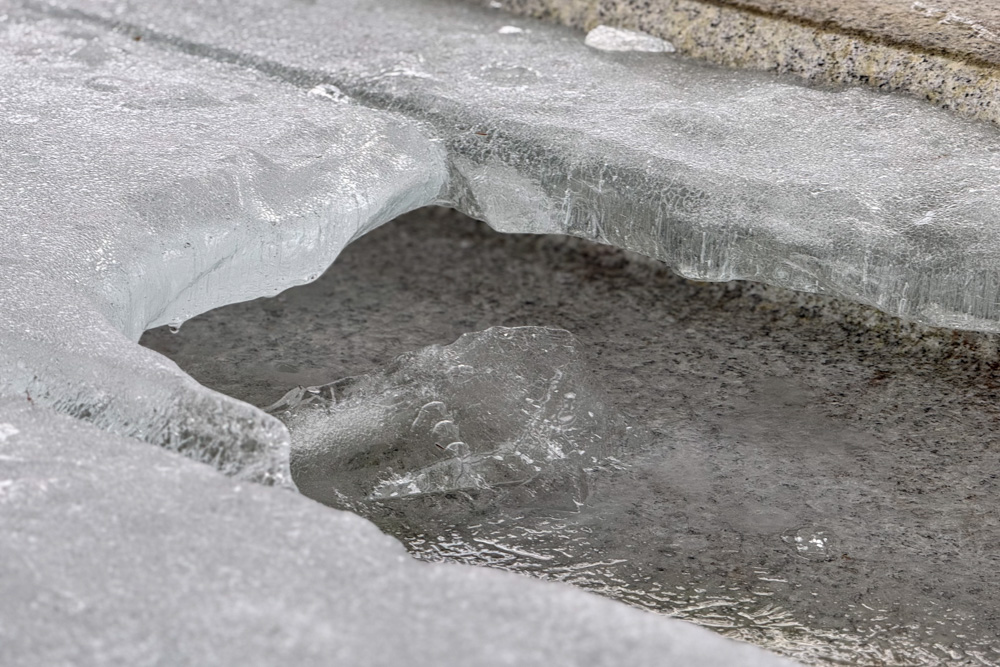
{"points": [[509, 413], [161, 159]]}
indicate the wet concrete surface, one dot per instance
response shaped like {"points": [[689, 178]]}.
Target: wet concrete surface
{"points": [[824, 480]]}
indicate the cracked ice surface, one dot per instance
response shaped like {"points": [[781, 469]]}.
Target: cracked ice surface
{"points": [[162, 159]]}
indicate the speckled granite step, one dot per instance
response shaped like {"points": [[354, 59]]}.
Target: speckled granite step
{"points": [[946, 51]]}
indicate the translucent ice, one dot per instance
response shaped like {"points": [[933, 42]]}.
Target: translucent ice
{"points": [[502, 409], [152, 186], [117, 553], [722, 174]]}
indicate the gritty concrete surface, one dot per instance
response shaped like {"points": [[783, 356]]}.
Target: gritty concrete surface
{"points": [[776, 416], [946, 51]]}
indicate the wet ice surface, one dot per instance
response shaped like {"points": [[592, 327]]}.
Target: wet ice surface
{"points": [[142, 187], [822, 481], [161, 159], [505, 415]]}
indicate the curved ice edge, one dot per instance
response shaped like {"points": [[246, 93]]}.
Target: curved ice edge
{"points": [[722, 175]]}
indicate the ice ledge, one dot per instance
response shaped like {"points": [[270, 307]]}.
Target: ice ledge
{"points": [[163, 160], [723, 175]]}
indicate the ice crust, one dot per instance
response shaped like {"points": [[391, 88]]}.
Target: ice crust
{"points": [[117, 553], [506, 412], [722, 174], [160, 159], [142, 187]]}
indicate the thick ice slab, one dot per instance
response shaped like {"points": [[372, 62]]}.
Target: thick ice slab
{"points": [[118, 553], [202, 153], [141, 187], [722, 174]]}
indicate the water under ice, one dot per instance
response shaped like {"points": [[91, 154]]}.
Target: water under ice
{"points": [[508, 414], [162, 159]]}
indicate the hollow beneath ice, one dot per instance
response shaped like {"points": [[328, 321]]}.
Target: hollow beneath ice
{"points": [[161, 160]]}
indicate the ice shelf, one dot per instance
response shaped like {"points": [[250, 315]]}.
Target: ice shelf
{"points": [[142, 187], [722, 174], [161, 159]]}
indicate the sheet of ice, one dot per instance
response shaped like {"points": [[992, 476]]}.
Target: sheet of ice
{"points": [[722, 174], [508, 413], [162, 159], [118, 553]]}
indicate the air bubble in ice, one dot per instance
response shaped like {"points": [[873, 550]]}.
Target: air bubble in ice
{"points": [[330, 92], [813, 542]]}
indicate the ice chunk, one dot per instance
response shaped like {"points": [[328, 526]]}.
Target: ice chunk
{"points": [[505, 408], [151, 186], [606, 38]]}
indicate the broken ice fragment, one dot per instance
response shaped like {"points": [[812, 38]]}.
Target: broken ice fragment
{"points": [[505, 408], [606, 38]]}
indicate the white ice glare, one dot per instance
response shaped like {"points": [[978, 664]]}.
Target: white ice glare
{"points": [[606, 38]]}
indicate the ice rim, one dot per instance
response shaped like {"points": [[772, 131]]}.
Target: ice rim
{"points": [[163, 159]]}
